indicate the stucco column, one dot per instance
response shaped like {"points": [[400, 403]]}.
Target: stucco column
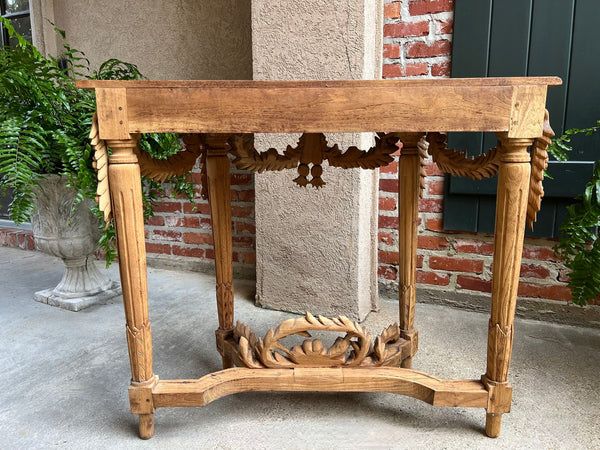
{"points": [[42, 28], [316, 249]]}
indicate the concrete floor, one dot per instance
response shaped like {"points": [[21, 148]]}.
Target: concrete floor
{"points": [[64, 377]]}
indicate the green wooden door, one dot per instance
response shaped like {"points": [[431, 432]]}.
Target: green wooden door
{"points": [[528, 37]]}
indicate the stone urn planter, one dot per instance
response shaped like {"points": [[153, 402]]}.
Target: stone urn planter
{"points": [[73, 237]]}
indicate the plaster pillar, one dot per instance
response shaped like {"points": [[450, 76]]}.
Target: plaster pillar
{"points": [[42, 28], [316, 249]]}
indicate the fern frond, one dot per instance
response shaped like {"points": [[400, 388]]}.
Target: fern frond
{"points": [[21, 143], [579, 245]]}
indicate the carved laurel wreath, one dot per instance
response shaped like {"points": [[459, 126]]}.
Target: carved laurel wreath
{"points": [[354, 349], [312, 149]]}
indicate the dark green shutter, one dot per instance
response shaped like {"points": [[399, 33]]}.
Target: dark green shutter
{"points": [[528, 37]]}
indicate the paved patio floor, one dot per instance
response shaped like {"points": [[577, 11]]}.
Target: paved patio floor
{"points": [[64, 377]]}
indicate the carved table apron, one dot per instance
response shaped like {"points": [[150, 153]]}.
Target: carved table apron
{"points": [[216, 117]]}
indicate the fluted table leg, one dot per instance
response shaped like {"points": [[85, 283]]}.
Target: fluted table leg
{"points": [[409, 187], [511, 208], [126, 197], [219, 196]]}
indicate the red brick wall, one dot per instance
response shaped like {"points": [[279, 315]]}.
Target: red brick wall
{"points": [[417, 44], [417, 38], [182, 229], [17, 238]]}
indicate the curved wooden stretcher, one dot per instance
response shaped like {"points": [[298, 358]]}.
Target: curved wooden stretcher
{"points": [[217, 117]]}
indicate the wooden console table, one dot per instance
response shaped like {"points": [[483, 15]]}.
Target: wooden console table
{"points": [[217, 117]]}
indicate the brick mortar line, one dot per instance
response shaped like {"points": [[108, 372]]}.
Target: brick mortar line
{"points": [[243, 219], [451, 237], [428, 39], [542, 282], [427, 60], [181, 215], [430, 17], [486, 273], [204, 258]]}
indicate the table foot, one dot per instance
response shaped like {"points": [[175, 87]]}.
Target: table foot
{"points": [[493, 422], [146, 429]]}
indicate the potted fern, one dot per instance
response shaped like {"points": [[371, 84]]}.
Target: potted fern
{"points": [[45, 160]]}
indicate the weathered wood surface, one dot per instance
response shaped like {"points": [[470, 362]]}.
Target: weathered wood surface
{"points": [[203, 84], [511, 211], [410, 186], [432, 390], [219, 199], [476, 104], [112, 113], [126, 198]]}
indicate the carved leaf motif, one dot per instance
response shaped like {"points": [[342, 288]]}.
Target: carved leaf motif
{"points": [[247, 158], [391, 333], [339, 347], [539, 163], [387, 350], [353, 349], [140, 350], [377, 156], [458, 163], [246, 341], [243, 330], [101, 166], [178, 164], [312, 149]]}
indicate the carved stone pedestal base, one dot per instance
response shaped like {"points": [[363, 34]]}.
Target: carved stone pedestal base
{"points": [[82, 285], [77, 304], [83, 300]]}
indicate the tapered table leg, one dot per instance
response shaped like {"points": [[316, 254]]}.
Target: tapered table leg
{"points": [[409, 188], [511, 208], [219, 196], [126, 197]]}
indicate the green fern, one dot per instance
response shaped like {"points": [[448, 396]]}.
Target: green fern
{"points": [[45, 122], [578, 245], [23, 144]]}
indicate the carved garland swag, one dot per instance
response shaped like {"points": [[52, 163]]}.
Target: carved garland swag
{"points": [[310, 152]]}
